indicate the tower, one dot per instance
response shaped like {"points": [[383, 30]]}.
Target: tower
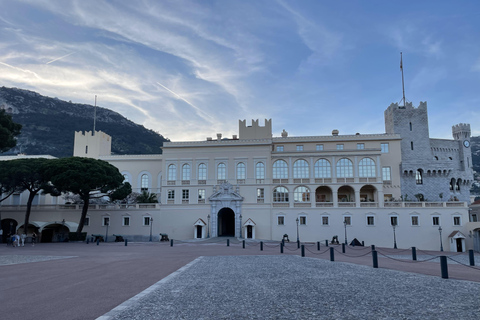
{"points": [[91, 145]]}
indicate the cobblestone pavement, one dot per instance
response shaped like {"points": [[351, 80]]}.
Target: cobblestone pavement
{"points": [[16, 259], [291, 287]]}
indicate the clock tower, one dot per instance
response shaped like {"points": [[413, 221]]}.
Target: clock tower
{"points": [[461, 133]]}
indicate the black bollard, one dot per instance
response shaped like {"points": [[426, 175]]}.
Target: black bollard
{"points": [[471, 257], [243, 244], [353, 244], [414, 253], [261, 245], [298, 244], [444, 267], [375, 258], [171, 242], [88, 240], [283, 241], [318, 245], [326, 243], [126, 242], [332, 254], [343, 247], [228, 242], [98, 241], [363, 243], [281, 247], [373, 247], [303, 250]]}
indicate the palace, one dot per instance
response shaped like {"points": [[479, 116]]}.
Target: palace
{"points": [[372, 187]]}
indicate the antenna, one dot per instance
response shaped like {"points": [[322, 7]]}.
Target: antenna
{"points": [[95, 115], [403, 84]]}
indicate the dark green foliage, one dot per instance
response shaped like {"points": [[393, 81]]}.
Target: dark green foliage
{"points": [[8, 131], [49, 125], [147, 197]]}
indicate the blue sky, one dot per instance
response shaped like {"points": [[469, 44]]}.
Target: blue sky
{"points": [[191, 69]]}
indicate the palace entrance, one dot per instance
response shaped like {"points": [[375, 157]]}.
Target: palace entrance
{"points": [[226, 223]]}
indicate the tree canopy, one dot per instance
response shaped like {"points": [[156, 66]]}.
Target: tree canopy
{"points": [[8, 131]]}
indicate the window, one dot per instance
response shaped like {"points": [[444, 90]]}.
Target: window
{"points": [[86, 222], [344, 168], [325, 221], [300, 169], [414, 220], [322, 169], [386, 174], [366, 168], [106, 221], [347, 220], [221, 171], [457, 185], [280, 220], [370, 220], [452, 183], [436, 221], [172, 172], [202, 171], [126, 221], [241, 170], [419, 177], [260, 195], [144, 180], [186, 172], [474, 217], [339, 146], [147, 221], [360, 146], [456, 221], [394, 221], [280, 194], [201, 194], [185, 194], [125, 178], [279, 148], [299, 148], [171, 194], [303, 220], [301, 194], [411, 126], [411, 145], [260, 171], [319, 147], [280, 170], [384, 147]]}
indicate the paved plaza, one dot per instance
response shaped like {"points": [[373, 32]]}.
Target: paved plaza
{"points": [[208, 280]]}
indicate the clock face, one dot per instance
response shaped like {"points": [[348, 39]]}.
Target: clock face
{"points": [[466, 143]]}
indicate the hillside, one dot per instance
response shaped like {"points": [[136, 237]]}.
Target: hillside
{"points": [[49, 125]]}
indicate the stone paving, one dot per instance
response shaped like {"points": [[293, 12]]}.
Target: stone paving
{"points": [[16, 259], [291, 287]]}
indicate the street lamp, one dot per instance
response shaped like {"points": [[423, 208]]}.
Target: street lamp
{"points": [[345, 225], [106, 232], [394, 236], [441, 243], [151, 224], [208, 227], [298, 238]]}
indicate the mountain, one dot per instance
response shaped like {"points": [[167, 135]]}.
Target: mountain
{"points": [[49, 125]]}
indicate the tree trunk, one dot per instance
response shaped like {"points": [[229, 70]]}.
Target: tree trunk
{"points": [[29, 209], [86, 203]]}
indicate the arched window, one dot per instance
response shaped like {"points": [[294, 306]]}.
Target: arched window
{"points": [[221, 171], [366, 168], [260, 170], [457, 185], [280, 194], [452, 184], [144, 182], [172, 172], [280, 170], [322, 169], [301, 194], [202, 171], [186, 172], [126, 178], [300, 169], [419, 177], [344, 168], [241, 170]]}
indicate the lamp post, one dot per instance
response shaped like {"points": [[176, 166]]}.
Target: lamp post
{"points": [[151, 224], [208, 226], [298, 238], [441, 243], [63, 230], [394, 236], [106, 232], [345, 225]]}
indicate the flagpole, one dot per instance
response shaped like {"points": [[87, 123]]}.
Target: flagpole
{"points": [[95, 116], [403, 84]]}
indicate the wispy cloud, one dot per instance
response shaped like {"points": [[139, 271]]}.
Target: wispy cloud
{"points": [[60, 58]]}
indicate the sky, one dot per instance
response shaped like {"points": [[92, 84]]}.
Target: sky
{"points": [[192, 69]]}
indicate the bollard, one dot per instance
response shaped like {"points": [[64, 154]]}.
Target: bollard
{"points": [[363, 243], [343, 247], [375, 258], [171, 242], [318, 245], [283, 241], [471, 257], [98, 241], [444, 267], [243, 244], [332, 254], [88, 239], [281, 247], [303, 250], [261, 245], [228, 242], [298, 244], [326, 243], [353, 244], [373, 247], [126, 242], [414, 253]]}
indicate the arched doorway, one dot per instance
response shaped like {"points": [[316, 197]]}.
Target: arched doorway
{"points": [[226, 222], [55, 232], [9, 226]]}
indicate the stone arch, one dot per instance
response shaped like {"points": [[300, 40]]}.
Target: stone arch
{"points": [[368, 193], [9, 226], [323, 194], [346, 194], [226, 222], [54, 232]]}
